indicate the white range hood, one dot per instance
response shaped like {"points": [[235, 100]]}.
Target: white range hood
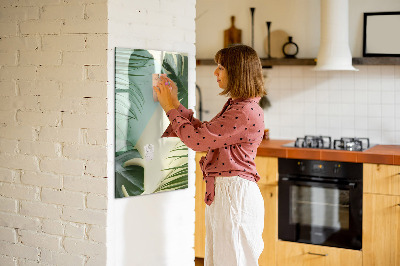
{"points": [[334, 51]]}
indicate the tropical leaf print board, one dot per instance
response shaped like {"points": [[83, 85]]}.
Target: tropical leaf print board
{"points": [[144, 162]]}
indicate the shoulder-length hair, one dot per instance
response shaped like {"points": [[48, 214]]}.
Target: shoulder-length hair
{"points": [[245, 78]]}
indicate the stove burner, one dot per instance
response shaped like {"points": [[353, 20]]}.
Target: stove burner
{"points": [[308, 141], [351, 144]]}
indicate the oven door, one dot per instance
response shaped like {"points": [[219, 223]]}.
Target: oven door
{"points": [[321, 212]]}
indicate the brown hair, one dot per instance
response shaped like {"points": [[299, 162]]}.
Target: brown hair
{"points": [[245, 78]]}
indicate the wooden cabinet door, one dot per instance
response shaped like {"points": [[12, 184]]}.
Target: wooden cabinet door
{"points": [[270, 233], [267, 168], [381, 179], [200, 207], [297, 254], [381, 230]]}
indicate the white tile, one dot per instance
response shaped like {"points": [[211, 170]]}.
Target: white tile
{"points": [[374, 97], [335, 122], [347, 109], [360, 133], [310, 108], [361, 123], [375, 136], [297, 83], [298, 108], [334, 109], [308, 72], [322, 96], [297, 97], [285, 83], [285, 132], [374, 110], [322, 74], [361, 110], [348, 123], [296, 71], [373, 70], [348, 96], [388, 97], [348, 132], [322, 122], [322, 109], [361, 97], [397, 72], [374, 84], [335, 95], [388, 84], [286, 120], [285, 71], [397, 84], [397, 134], [334, 81], [388, 137], [298, 120], [388, 124], [388, 110], [387, 72], [310, 95], [321, 83], [374, 123]]}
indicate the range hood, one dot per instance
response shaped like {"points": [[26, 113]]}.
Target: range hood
{"points": [[334, 51]]}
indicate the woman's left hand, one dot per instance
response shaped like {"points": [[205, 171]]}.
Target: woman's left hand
{"points": [[163, 90]]}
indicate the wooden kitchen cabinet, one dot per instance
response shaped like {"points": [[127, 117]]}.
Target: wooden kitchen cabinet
{"points": [[381, 230], [200, 207], [381, 215], [298, 254], [381, 179], [267, 168], [270, 233]]}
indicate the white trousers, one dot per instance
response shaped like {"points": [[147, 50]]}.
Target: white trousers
{"points": [[234, 223]]}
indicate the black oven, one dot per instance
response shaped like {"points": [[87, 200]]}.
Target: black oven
{"points": [[320, 202]]}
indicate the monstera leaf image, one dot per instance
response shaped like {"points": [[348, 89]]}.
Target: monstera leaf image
{"points": [[139, 123]]}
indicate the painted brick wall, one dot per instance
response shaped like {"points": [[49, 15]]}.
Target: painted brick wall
{"points": [[53, 190]]}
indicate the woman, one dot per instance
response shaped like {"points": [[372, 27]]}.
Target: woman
{"points": [[235, 207]]}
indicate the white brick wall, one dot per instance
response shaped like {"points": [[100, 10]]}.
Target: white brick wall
{"points": [[53, 105]]}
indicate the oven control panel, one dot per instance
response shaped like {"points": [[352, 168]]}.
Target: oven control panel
{"points": [[330, 169]]}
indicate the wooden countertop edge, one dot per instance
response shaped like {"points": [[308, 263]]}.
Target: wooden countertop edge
{"points": [[379, 154]]}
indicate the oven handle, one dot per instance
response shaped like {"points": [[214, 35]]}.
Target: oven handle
{"points": [[297, 181]]}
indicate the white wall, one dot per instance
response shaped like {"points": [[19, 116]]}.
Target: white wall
{"points": [[155, 229], [338, 104]]}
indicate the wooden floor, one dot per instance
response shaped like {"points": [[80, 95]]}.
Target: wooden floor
{"points": [[198, 261]]}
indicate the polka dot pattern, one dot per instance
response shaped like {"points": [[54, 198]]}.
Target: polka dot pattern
{"points": [[231, 139]]}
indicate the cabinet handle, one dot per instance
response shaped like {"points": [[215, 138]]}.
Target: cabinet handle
{"points": [[398, 204], [318, 254]]}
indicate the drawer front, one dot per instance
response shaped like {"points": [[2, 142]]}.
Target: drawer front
{"points": [[294, 254], [381, 179]]}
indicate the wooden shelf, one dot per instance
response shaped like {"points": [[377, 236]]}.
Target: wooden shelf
{"points": [[312, 61]]}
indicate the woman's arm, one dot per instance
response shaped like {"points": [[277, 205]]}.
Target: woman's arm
{"points": [[187, 113], [228, 129]]}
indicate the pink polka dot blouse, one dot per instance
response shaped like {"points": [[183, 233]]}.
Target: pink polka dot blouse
{"points": [[231, 139]]}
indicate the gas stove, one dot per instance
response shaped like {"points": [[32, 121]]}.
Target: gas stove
{"points": [[325, 142]]}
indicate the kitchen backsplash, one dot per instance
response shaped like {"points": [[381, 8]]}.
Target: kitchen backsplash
{"points": [[338, 104]]}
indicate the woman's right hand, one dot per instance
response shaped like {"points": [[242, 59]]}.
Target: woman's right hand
{"points": [[174, 91]]}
